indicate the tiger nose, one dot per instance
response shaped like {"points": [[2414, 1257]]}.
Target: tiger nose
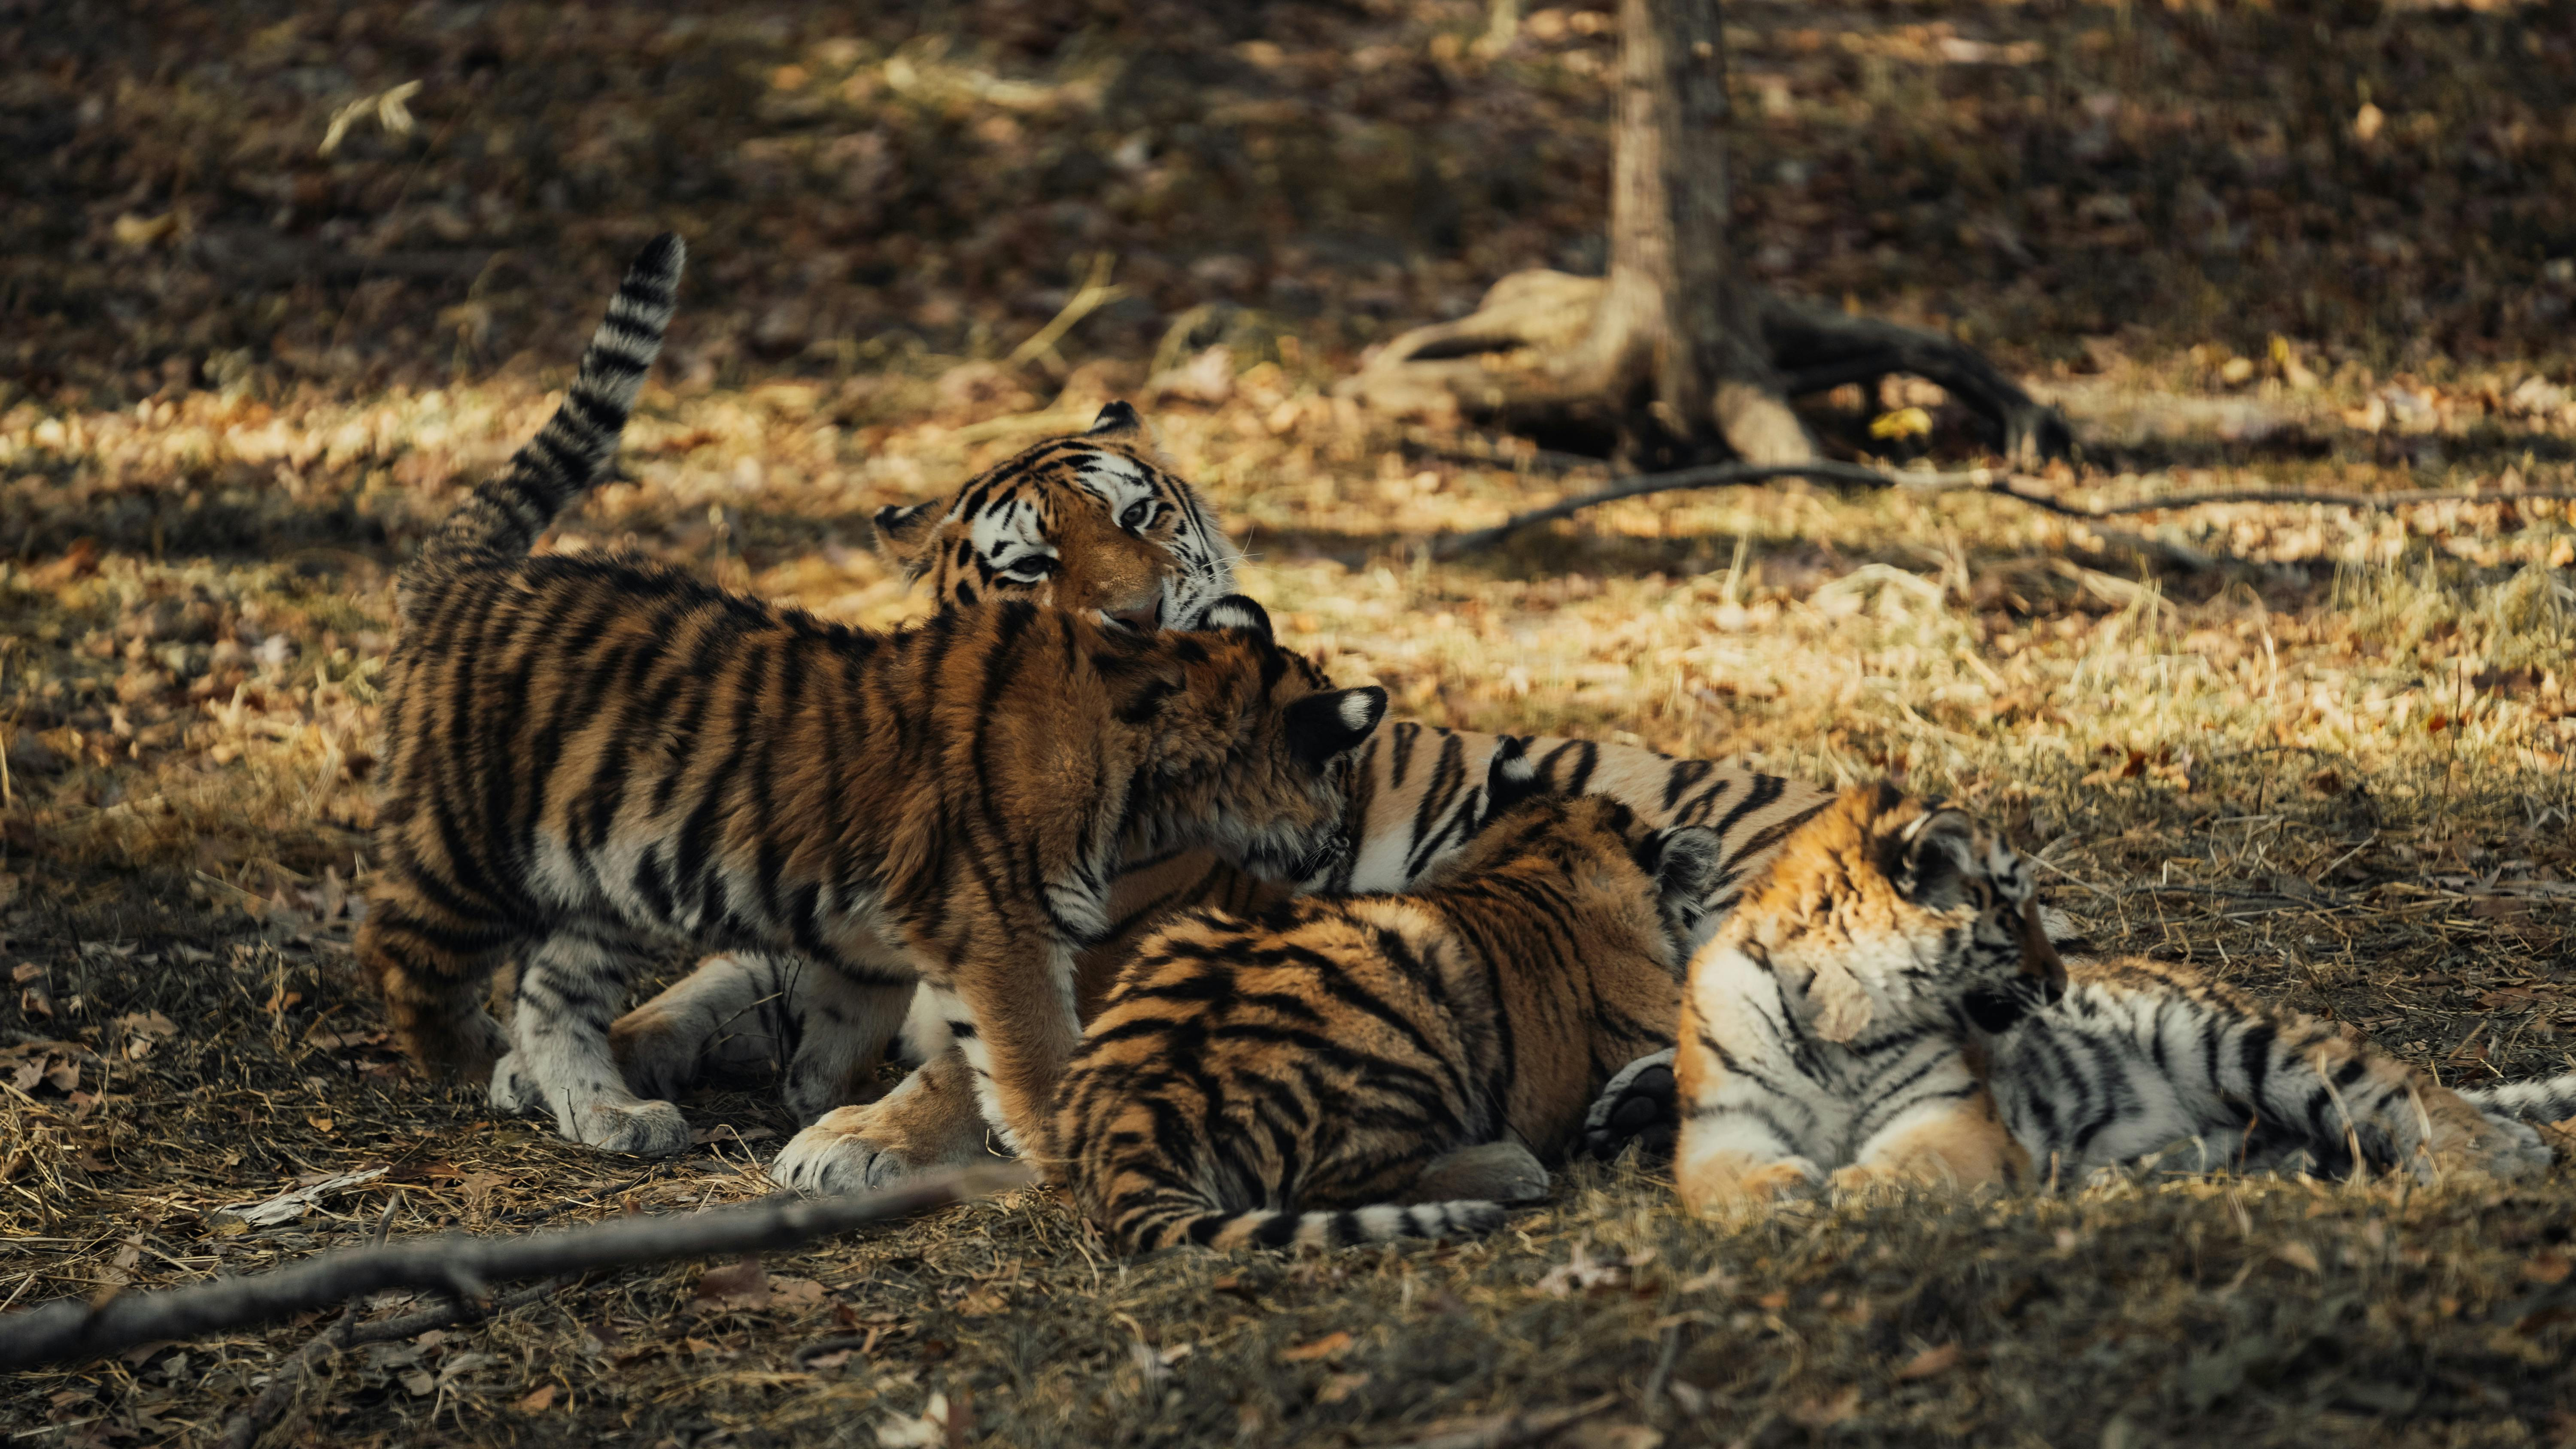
{"points": [[1147, 616]]}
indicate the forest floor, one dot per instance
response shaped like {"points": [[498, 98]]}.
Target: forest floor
{"points": [[2318, 752]]}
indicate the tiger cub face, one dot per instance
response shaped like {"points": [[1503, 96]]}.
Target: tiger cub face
{"points": [[1096, 521], [1893, 905], [1285, 764]]}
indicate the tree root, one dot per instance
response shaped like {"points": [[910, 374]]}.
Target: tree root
{"points": [[1527, 360]]}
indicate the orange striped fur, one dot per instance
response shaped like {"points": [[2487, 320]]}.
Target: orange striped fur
{"points": [[1288, 1077], [588, 757]]}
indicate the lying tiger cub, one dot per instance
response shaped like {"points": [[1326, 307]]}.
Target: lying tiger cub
{"points": [[1298, 1076], [1882, 1006]]}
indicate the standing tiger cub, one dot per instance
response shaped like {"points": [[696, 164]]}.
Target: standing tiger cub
{"points": [[1883, 1007], [1293, 1077], [587, 756]]}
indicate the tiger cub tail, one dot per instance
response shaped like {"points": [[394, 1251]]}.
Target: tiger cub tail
{"points": [[2544, 1100], [1268, 1228], [501, 520]]}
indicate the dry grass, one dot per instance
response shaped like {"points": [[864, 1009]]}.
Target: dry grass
{"points": [[2334, 766]]}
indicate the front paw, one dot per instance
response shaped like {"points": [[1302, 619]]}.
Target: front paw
{"points": [[1794, 1177], [655, 1051], [2512, 1151], [513, 1090], [838, 1154], [1639, 1105], [646, 1129]]}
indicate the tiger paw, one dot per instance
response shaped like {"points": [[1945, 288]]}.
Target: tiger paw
{"points": [[655, 1050], [2511, 1151], [836, 1155], [1778, 1181], [513, 1090], [1639, 1105], [646, 1129]]}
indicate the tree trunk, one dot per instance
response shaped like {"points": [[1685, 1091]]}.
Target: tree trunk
{"points": [[1672, 356], [1674, 316]]}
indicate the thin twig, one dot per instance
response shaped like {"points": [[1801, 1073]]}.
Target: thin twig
{"points": [[348, 1333], [461, 1264], [1509, 1431], [1997, 481]]}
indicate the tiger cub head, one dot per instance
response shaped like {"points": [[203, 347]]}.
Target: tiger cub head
{"points": [[1094, 521], [1256, 759], [1627, 878], [1886, 904]]}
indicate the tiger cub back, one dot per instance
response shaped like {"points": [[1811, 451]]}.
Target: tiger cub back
{"points": [[1288, 1077]]}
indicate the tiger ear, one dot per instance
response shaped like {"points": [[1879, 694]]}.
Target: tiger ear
{"points": [[1511, 778], [1235, 611], [1939, 856], [901, 527], [1686, 859], [1114, 419], [1333, 722]]}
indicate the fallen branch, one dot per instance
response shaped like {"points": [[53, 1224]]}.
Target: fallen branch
{"points": [[1984, 480], [463, 1266]]}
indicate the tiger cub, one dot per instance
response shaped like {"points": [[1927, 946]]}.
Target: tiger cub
{"points": [[1095, 521], [587, 756], [1882, 1006], [1415, 792], [1289, 1077]]}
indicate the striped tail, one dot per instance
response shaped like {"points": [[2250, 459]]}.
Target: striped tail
{"points": [[503, 517], [1384, 1223], [2541, 1099]]}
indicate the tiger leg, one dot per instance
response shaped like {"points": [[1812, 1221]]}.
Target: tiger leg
{"points": [[845, 1031], [738, 1012], [1947, 1141], [1736, 1147], [931, 1119], [1016, 1023], [570, 987], [432, 970], [2397, 1113], [741, 1012]]}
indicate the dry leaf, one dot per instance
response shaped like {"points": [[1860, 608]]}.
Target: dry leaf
{"points": [[64, 1076], [1934, 1360], [1324, 1347], [1827, 1412], [1581, 1272], [2546, 1268], [743, 1285], [797, 1293], [2298, 1255], [538, 1400], [1340, 1387]]}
